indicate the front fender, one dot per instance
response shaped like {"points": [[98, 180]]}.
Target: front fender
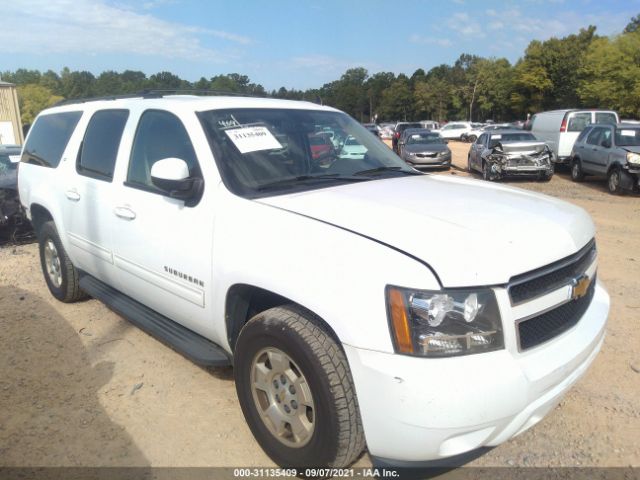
{"points": [[339, 275]]}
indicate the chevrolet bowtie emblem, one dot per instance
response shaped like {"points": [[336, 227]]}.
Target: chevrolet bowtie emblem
{"points": [[579, 286]]}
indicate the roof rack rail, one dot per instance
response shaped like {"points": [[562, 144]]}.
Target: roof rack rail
{"points": [[198, 91], [155, 93], [142, 94]]}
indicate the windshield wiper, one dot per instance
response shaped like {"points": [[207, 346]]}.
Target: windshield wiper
{"points": [[292, 181], [372, 171]]}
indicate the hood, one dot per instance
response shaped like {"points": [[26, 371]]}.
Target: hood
{"points": [[632, 149], [523, 147], [434, 147], [470, 232]]}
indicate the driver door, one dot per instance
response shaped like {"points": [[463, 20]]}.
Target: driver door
{"points": [[162, 245]]}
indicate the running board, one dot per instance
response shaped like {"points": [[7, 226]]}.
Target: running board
{"points": [[193, 346]]}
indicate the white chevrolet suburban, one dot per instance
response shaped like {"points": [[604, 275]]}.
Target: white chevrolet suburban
{"points": [[358, 300]]}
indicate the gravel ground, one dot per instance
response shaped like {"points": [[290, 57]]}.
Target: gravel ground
{"points": [[79, 386]]}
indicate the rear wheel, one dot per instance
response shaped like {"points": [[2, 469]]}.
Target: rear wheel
{"points": [[472, 138], [577, 175], [295, 390], [59, 273], [614, 181]]}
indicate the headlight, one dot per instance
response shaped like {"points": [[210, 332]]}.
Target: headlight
{"points": [[444, 154], [444, 323], [633, 159]]}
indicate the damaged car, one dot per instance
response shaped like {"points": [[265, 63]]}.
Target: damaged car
{"points": [[13, 224], [611, 152], [501, 153]]}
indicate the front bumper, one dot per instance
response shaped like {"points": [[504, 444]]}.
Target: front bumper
{"points": [[424, 162], [417, 409]]}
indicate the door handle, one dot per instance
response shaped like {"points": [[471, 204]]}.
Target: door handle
{"points": [[72, 194], [124, 212]]}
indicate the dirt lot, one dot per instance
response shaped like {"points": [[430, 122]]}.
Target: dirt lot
{"points": [[80, 386]]}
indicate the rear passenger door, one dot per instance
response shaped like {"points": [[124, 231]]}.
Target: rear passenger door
{"points": [[163, 249], [590, 151], [89, 194]]}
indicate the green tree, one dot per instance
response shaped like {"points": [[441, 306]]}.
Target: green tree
{"points": [[611, 74], [397, 100], [34, 98], [633, 25]]}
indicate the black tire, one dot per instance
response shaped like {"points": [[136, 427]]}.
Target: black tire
{"points": [[486, 172], [68, 289], [545, 177], [577, 174], [469, 169], [472, 138], [614, 181], [337, 438]]}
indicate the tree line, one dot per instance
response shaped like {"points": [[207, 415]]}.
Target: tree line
{"points": [[578, 70]]}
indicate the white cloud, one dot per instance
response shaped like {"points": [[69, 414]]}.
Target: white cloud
{"points": [[465, 25], [94, 27], [420, 39]]}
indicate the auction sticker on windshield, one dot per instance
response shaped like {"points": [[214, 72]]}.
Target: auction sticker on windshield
{"points": [[253, 139]]}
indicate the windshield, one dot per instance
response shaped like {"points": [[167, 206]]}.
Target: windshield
{"points": [[424, 139], [511, 137], [6, 165], [263, 152], [628, 137]]}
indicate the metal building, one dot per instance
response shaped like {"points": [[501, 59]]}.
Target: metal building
{"points": [[10, 123]]}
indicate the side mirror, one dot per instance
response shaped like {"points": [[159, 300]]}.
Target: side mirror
{"points": [[172, 176], [446, 141], [606, 143]]}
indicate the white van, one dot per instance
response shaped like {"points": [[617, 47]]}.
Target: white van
{"points": [[560, 128]]}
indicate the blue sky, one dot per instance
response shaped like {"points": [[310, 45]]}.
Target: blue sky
{"points": [[291, 43]]}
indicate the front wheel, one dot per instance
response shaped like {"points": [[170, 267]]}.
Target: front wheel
{"points": [[295, 390], [487, 173], [614, 181], [577, 175]]}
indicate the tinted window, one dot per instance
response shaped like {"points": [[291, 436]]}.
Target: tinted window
{"points": [[101, 142], [482, 139], [578, 121], [606, 118], [595, 136], [424, 139], [49, 137], [159, 135]]}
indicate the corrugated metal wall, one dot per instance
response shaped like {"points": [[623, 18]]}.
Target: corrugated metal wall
{"points": [[9, 111]]}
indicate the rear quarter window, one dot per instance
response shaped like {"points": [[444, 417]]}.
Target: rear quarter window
{"points": [[48, 138], [579, 121]]}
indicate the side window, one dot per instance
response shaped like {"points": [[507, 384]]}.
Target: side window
{"points": [[583, 135], [578, 121], [49, 137], [160, 135], [482, 140], [595, 136], [97, 157]]}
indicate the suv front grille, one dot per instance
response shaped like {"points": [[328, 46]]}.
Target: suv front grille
{"points": [[547, 325], [528, 286]]}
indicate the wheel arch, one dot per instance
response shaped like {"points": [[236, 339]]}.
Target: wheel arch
{"points": [[39, 215], [244, 301]]}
